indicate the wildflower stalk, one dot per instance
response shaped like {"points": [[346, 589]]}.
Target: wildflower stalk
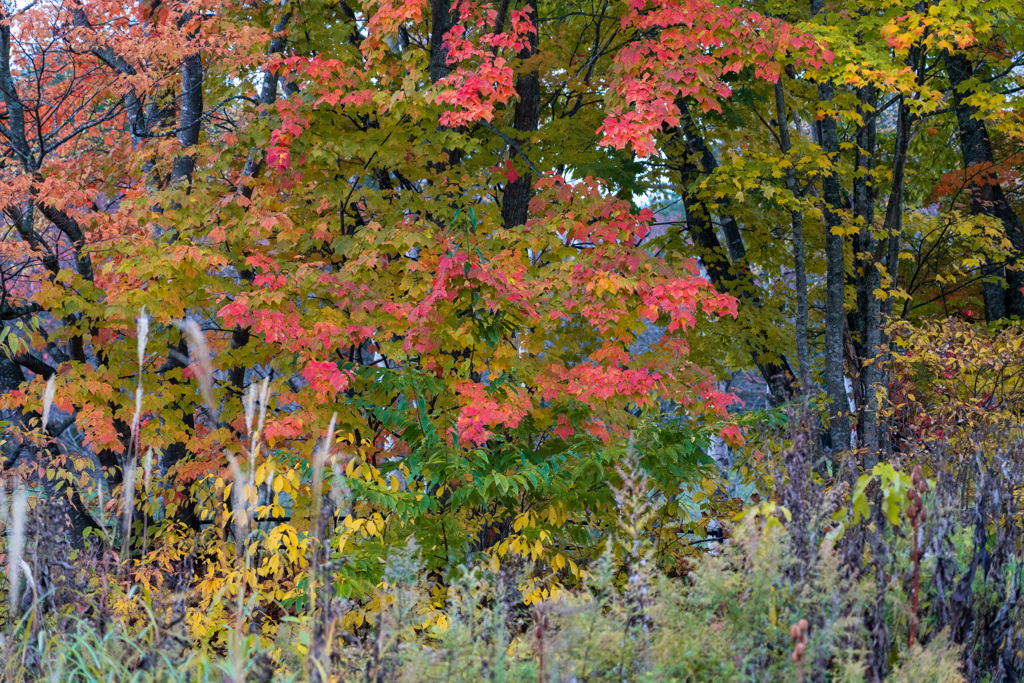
{"points": [[16, 545]]}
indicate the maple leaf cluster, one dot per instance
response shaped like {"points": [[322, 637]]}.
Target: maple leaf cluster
{"points": [[695, 45]]}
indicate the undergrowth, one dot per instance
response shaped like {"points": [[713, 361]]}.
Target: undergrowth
{"points": [[816, 585]]}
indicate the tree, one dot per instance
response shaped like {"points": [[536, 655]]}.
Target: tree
{"points": [[431, 222]]}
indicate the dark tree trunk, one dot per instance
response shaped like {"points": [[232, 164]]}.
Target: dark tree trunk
{"points": [[893, 228], [177, 452], [803, 352], [734, 278], [869, 279], [515, 205], [835, 281], [987, 198], [699, 146], [268, 96], [441, 21], [240, 336], [190, 117]]}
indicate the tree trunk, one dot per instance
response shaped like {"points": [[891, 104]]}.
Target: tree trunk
{"points": [[803, 352], [441, 21], [240, 336], [827, 134], [177, 357], [987, 198], [869, 278], [733, 278], [893, 227], [268, 96], [515, 205], [190, 117], [835, 282]]}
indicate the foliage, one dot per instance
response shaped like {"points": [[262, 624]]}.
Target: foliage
{"points": [[389, 339], [627, 620], [954, 380]]}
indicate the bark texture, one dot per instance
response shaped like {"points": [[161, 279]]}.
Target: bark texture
{"points": [[987, 198]]}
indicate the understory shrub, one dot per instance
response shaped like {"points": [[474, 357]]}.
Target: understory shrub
{"points": [[818, 584]]}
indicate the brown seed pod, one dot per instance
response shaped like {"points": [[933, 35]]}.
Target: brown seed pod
{"points": [[800, 649], [803, 625], [794, 632]]}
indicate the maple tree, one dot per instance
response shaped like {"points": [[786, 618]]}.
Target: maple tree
{"points": [[438, 237]]}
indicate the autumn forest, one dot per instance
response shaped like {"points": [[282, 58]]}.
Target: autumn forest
{"points": [[492, 340]]}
